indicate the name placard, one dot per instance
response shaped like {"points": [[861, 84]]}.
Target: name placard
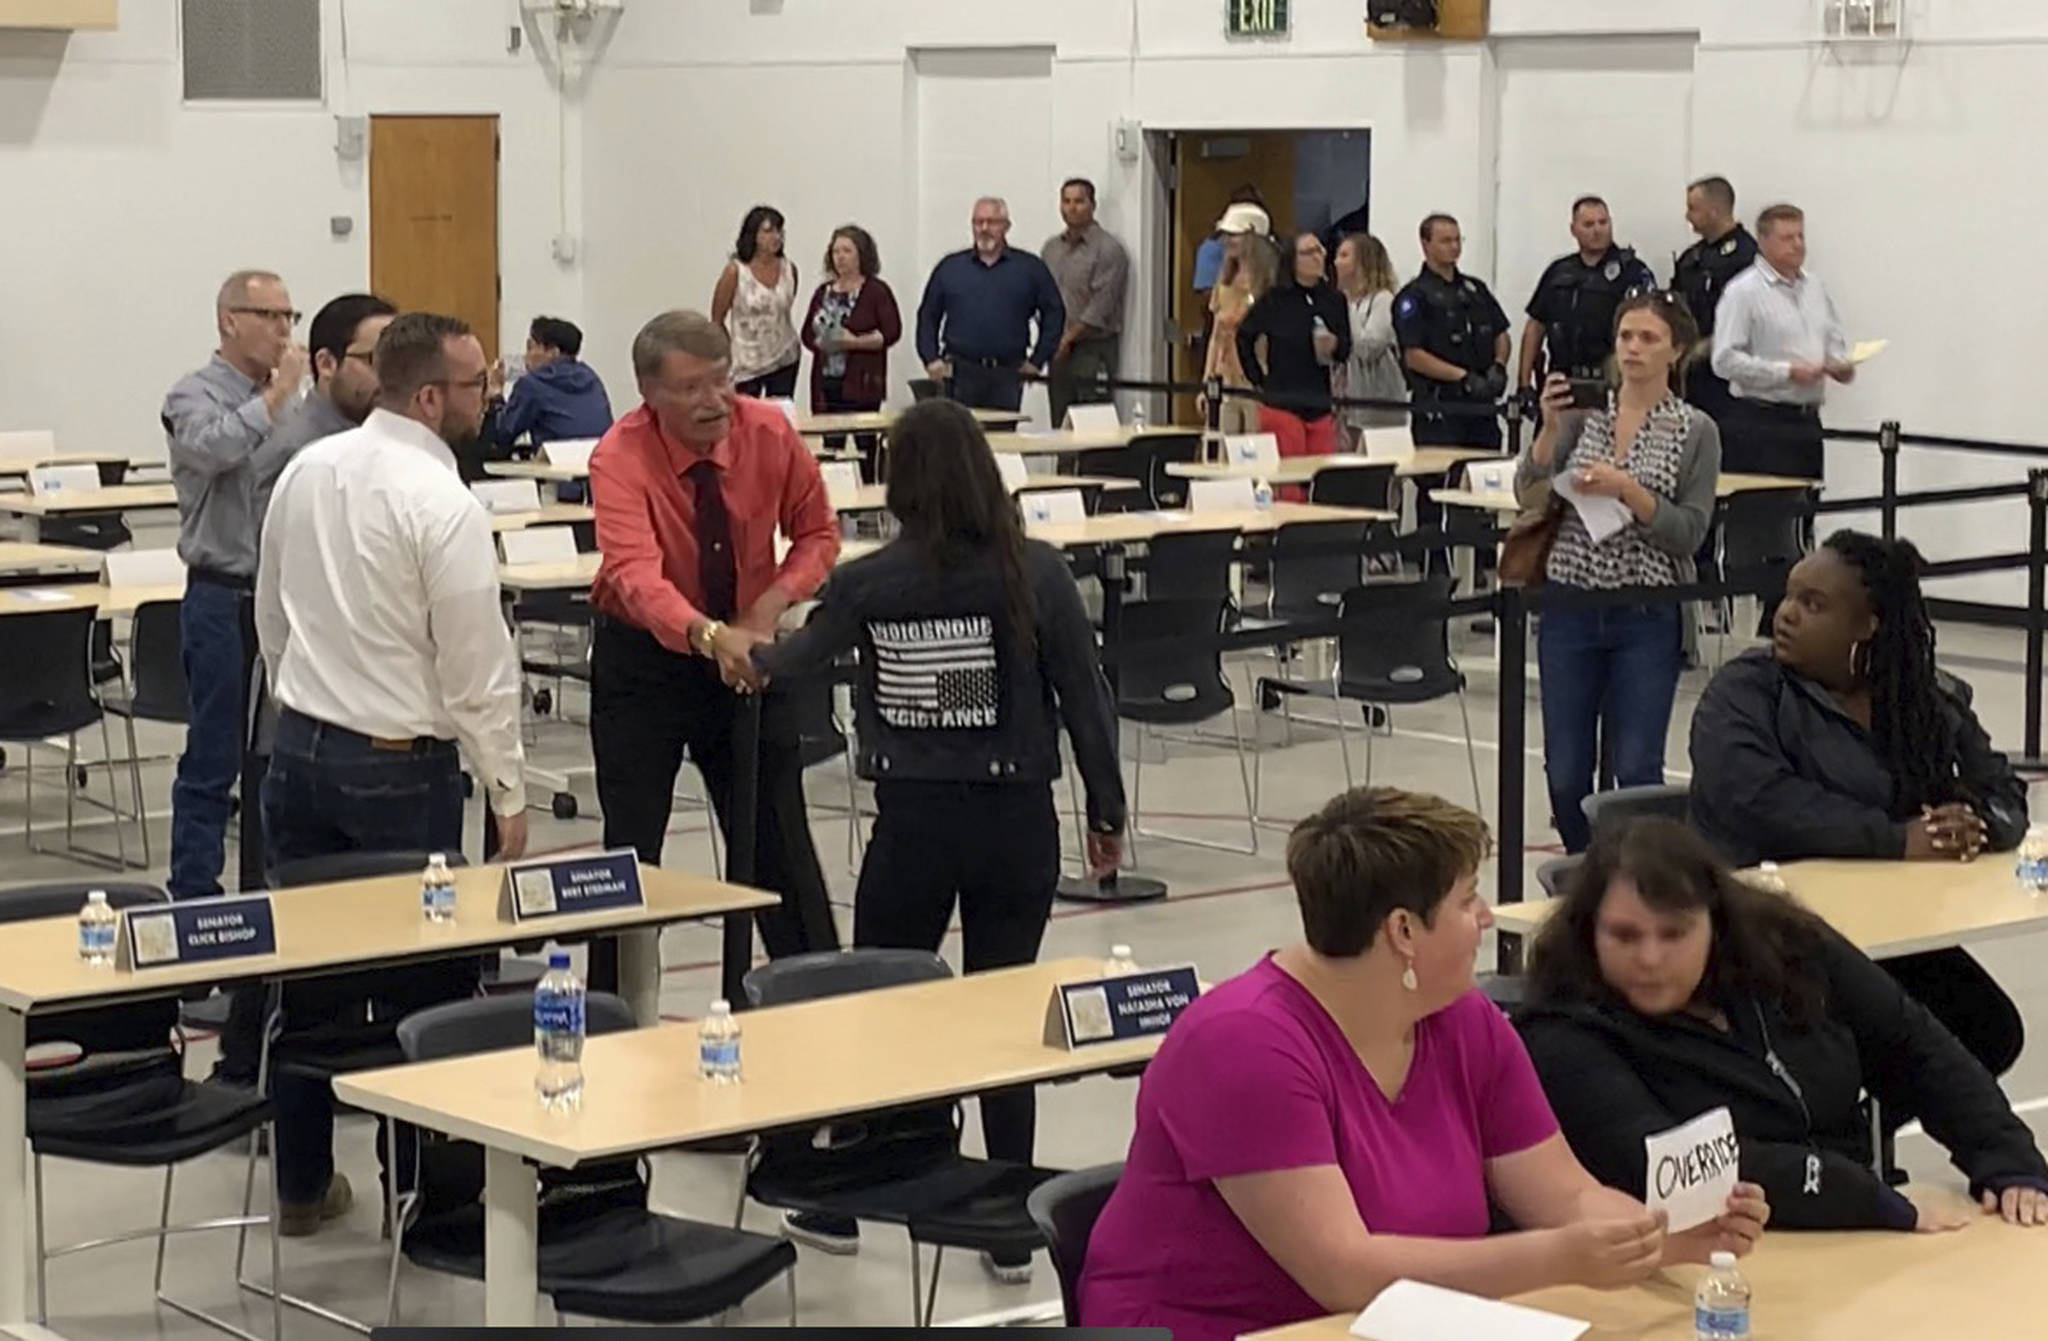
{"points": [[196, 931], [581, 882], [1109, 1010]]}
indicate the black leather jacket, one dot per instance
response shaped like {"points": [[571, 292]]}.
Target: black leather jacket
{"points": [[1781, 773], [945, 691]]}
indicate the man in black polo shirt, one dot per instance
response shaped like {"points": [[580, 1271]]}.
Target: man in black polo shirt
{"points": [[974, 325]]}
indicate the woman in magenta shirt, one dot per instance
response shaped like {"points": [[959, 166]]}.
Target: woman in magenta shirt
{"points": [[1338, 1117]]}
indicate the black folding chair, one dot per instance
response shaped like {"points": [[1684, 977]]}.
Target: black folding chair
{"points": [[1065, 1210]]}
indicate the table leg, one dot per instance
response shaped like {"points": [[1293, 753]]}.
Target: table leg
{"points": [[511, 1241], [640, 974], [15, 1247]]}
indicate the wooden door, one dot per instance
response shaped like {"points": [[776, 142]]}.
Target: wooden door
{"points": [[434, 217], [1209, 165]]}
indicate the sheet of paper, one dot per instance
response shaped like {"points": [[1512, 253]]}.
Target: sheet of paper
{"points": [[1868, 349], [1692, 1169], [41, 595], [1602, 515], [1411, 1311]]}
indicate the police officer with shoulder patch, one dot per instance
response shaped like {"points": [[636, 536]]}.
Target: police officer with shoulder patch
{"points": [[1571, 314], [1705, 269], [1454, 343]]}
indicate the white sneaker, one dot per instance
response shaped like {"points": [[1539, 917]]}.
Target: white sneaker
{"points": [[1007, 1273]]}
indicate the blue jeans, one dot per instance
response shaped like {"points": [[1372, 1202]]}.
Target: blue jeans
{"points": [[215, 625], [331, 791], [1611, 667]]}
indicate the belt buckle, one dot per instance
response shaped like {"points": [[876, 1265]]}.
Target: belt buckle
{"points": [[392, 745]]}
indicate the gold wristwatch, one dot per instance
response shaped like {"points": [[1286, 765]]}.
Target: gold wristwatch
{"points": [[707, 636]]}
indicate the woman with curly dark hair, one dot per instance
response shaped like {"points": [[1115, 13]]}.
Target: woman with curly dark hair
{"points": [[1665, 986], [1842, 739], [752, 301]]}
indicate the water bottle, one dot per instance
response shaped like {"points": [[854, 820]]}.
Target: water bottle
{"points": [[1119, 962], [558, 1035], [1262, 495], [1720, 1307], [718, 1045], [2033, 863], [1321, 329], [1138, 415], [1768, 877], [437, 890], [97, 921]]}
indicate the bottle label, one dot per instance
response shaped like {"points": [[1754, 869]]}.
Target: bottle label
{"points": [[1731, 1323], [718, 1054], [557, 1013]]}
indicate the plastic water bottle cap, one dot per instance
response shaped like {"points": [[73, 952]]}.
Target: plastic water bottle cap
{"points": [[1119, 952], [558, 959], [1722, 1261], [96, 896], [721, 1007]]}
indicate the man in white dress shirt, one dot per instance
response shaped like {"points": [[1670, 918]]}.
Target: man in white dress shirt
{"points": [[377, 611], [1777, 339]]}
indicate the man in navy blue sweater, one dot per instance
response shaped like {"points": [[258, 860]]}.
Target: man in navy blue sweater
{"points": [[974, 327], [558, 398]]}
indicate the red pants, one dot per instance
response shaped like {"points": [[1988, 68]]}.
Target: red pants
{"points": [[1298, 437]]}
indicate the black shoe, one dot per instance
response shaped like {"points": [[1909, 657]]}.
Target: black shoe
{"points": [[1008, 1268], [835, 1234]]}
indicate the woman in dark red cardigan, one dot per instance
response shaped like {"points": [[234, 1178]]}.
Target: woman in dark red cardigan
{"points": [[851, 324]]}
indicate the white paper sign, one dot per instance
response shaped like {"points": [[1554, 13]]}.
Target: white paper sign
{"points": [[1868, 350], [1093, 419], [1692, 1170], [1411, 1311], [1602, 515]]}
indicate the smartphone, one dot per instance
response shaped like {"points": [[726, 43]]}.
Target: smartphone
{"points": [[1589, 393]]}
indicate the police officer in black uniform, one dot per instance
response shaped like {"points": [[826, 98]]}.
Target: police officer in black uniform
{"points": [[1571, 314], [1454, 343], [1725, 250]]}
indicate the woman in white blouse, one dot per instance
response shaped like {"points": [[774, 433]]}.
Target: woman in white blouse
{"points": [[753, 301], [1373, 372]]}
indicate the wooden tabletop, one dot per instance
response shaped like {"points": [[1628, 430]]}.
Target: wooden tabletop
{"points": [[548, 514], [86, 596], [1727, 486], [120, 498], [875, 497], [802, 1064], [17, 557], [582, 570], [878, 421], [22, 465], [538, 470], [1113, 528], [1888, 908], [1068, 442], [1981, 1282], [1302, 469], [324, 927]]}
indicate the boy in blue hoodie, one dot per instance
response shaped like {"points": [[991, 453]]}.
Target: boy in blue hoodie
{"points": [[559, 397]]}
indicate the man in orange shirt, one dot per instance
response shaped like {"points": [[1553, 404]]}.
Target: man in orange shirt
{"points": [[690, 490]]}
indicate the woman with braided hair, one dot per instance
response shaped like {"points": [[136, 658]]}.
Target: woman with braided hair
{"points": [[1842, 739]]}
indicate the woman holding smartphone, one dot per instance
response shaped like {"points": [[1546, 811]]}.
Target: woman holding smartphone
{"points": [[1658, 458]]}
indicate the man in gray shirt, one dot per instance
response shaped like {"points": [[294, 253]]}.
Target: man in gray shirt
{"points": [[219, 421], [1093, 272], [341, 340]]}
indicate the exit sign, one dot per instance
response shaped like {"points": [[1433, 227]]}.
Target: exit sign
{"points": [[1255, 18]]}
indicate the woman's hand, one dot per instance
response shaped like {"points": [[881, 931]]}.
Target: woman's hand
{"points": [[2018, 1205], [1602, 479], [1608, 1254], [1957, 830], [1939, 1215], [1736, 1230]]}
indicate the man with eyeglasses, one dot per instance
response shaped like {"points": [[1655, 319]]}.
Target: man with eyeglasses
{"points": [[219, 421], [377, 609]]}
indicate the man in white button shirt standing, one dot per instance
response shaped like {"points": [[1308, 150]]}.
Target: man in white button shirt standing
{"points": [[1777, 339], [377, 611]]}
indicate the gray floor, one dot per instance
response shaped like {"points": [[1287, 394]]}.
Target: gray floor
{"points": [[1224, 910]]}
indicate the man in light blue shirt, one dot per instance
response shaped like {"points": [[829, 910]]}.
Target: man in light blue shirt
{"points": [[219, 421], [1777, 341]]}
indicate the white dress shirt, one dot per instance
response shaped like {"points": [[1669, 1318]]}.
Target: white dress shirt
{"points": [[1765, 324], [377, 599]]}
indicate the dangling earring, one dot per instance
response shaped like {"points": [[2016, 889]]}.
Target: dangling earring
{"points": [[1855, 661], [1408, 976]]}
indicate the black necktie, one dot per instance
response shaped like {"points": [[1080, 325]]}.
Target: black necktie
{"points": [[717, 572]]}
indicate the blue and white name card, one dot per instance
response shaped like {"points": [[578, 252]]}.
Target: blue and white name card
{"points": [[580, 882], [1110, 1010], [196, 931]]}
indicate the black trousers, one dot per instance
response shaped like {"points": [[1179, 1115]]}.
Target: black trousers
{"points": [[986, 388], [1433, 428], [1763, 438], [993, 847], [778, 385], [647, 706], [1957, 991], [869, 444]]}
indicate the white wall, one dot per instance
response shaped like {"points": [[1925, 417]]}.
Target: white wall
{"points": [[125, 209]]}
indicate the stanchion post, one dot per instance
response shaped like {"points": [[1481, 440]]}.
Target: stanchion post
{"points": [[1212, 401], [1512, 410], [737, 945], [1888, 458], [1512, 614], [2037, 592]]}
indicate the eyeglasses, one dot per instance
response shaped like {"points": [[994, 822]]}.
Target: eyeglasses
{"points": [[480, 382], [289, 315], [366, 357]]}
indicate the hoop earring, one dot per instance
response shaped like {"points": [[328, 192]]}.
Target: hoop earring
{"points": [[1408, 976], [1855, 660]]}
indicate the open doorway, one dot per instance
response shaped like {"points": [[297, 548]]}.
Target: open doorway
{"points": [[1319, 180]]}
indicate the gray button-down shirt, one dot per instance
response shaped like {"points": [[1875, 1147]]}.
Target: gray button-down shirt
{"points": [[304, 424], [219, 426], [1765, 324], [1093, 274]]}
